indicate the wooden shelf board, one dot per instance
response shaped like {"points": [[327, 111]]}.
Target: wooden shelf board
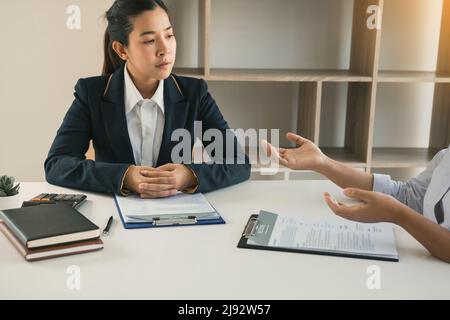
{"points": [[412, 76], [344, 156], [281, 75], [190, 72], [286, 75], [401, 157]]}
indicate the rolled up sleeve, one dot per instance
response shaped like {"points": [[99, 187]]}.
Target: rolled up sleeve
{"points": [[382, 183], [411, 192]]}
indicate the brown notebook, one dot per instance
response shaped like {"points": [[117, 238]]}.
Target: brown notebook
{"points": [[51, 251]]}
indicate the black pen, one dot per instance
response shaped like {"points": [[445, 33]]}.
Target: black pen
{"points": [[108, 226]]}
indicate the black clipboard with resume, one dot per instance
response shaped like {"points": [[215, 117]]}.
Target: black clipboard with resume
{"points": [[269, 231]]}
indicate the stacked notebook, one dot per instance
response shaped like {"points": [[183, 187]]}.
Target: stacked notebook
{"points": [[49, 231]]}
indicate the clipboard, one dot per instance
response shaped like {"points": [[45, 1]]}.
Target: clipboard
{"points": [[188, 220], [250, 229]]}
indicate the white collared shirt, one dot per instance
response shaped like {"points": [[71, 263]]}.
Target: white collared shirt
{"points": [[145, 120], [424, 191]]}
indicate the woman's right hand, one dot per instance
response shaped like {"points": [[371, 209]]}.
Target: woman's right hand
{"points": [[156, 183], [307, 156]]}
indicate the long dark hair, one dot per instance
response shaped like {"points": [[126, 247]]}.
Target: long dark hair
{"points": [[120, 25]]}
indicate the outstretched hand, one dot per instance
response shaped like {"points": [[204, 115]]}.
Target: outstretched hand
{"points": [[307, 156], [374, 207]]}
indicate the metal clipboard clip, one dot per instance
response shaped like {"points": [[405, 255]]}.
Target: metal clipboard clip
{"points": [[172, 221], [250, 227]]}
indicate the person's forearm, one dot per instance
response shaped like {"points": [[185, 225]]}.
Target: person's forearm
{"points": [[73, 172], [432, 236], [345, 176]]}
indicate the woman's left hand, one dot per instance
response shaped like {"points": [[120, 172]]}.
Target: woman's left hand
{"points": [[375, 206], [184, 178]]}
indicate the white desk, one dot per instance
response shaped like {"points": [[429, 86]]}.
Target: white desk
{"points": [[203, 262]]}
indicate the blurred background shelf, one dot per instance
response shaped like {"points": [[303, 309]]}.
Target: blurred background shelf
{"points": [[412, 76], [312, 107], [286, 75], [401, 157]]}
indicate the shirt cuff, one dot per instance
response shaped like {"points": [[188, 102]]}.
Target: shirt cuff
{"points": [[124, 192], [194, 188], [382, 183]]}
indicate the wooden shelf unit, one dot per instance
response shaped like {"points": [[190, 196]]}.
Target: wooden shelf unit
{"points": [[362, 77]]}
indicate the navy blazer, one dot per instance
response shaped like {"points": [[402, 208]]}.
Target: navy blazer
{"points": [[98, 114]]}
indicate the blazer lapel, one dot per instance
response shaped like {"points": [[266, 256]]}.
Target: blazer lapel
{"points": [[175, 113], [113, 112]]}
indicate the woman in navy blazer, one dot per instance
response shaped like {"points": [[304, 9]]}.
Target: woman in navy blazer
{"points": [[139, 33]]}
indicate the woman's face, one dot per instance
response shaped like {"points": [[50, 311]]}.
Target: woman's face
{"points": [[152, 46]]}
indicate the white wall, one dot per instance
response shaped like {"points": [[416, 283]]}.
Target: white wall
{"points": [[41, 60], [281, 34]]}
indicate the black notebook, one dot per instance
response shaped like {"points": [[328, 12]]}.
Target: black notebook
{"points": [[48, 225]]}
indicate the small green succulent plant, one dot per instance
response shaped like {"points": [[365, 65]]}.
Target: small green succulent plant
{"points": [[7, 187]]}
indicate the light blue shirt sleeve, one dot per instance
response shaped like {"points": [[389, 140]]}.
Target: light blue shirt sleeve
{"points": [[411, 192]]}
